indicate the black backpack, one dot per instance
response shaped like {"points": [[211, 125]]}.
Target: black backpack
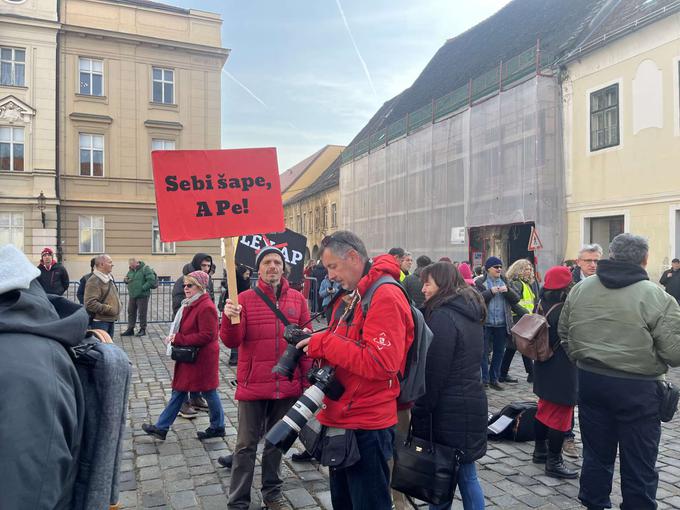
{"points": [[412, 381], [516, 422]]}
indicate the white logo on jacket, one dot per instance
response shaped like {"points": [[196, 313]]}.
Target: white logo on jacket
{"points": [[381, 342]]}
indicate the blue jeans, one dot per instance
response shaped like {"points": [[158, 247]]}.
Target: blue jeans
{"points": [[624, 413], [366, 484], [106, 326], [177, 398], [495, 338], [470, 489]]}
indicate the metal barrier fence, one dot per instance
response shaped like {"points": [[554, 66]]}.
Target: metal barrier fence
{"points": [[160, 301]]}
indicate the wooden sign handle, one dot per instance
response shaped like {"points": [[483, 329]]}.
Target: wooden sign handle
{"points": [[230, 266]]}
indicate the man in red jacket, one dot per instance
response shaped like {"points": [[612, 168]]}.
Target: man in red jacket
{"points": [[367, 353], [263, 397]]}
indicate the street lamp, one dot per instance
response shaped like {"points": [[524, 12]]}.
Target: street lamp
{"points": [[42, 204]]}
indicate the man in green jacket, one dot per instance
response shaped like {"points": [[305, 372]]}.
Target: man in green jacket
{"points": [[623, 332], [140, 280]]}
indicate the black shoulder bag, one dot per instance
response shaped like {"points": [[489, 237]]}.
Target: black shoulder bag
{"points": [[272, 306], [424, 469]]}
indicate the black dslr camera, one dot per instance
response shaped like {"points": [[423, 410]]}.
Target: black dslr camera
{"points": [[284, 432], [291, 356]]}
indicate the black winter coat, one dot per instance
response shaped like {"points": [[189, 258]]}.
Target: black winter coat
{"points": [[455, 396], [555, 379], [54, 281], [671, 281]]}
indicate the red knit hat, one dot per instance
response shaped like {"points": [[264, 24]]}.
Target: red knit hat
{"points": [[201, 277], [556, 278], [47, 251]]}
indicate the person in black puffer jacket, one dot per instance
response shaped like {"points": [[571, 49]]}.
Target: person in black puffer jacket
{"points": [[555, 382], [455, 400]]}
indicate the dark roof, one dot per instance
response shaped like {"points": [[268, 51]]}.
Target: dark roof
{"points": [[621, 17], [152, 5], [328, 179], [558, 24]]}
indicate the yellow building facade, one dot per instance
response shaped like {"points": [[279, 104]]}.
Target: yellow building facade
{"points": [[621, 122], [135, 76], [28, 43]]}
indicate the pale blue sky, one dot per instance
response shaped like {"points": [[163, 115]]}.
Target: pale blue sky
{"points": [[310, 86]]}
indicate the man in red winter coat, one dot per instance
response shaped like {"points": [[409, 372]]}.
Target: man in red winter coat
{"points": [[263, 397], [367, 353]]}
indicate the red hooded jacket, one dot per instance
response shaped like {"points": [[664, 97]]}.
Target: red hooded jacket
{"points": [[260, 342], [368, 353]]}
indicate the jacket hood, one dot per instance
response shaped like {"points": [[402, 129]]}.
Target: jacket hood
{"points": [[616, 275], [188, 268], [32, 311], [381, 265], [464, 306], [196, 261]]}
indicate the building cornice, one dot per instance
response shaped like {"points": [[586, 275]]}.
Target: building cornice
{"points": [[162, 124], [90, 117], [8, 17], [222, 53]]}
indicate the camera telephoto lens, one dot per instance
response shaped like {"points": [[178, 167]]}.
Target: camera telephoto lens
{"points": [[283, 434]]}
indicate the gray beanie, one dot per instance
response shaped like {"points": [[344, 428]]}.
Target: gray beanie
{"points": [[267, 251]]}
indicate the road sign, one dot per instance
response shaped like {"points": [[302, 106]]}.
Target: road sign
{"points": [[534, 241]]}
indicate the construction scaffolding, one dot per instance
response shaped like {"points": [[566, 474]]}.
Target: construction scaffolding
{"points": [[498, 162]]}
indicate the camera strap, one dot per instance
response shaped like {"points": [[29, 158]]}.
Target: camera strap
{"points": [[272, 306]]}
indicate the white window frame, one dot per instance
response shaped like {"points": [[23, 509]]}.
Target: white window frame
{"points": [[14, 63], [673, 211], [676, 95], [619, 82], [14, 228], [90, 147], [163, 81], [90, 72], [165, 248], [334, 215], [163, 144], [586, 217], [85, 224], [12, 141]]}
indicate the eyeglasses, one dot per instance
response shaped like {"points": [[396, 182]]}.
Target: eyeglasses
{"points": [[188, 285]]}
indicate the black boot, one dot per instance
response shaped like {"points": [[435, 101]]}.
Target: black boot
{"points": [[555, 467], [141, 332], [210, 432], [128, 332], [540, 451]]}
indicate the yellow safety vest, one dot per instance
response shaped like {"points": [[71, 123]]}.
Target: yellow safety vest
{"points": [[528, 296]]}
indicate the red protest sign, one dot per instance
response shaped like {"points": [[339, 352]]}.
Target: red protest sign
{"points": [[217, 193]]}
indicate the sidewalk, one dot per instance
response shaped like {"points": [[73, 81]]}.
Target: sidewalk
{"points": [[182, 472]]}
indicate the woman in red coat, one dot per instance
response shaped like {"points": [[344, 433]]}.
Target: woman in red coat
{"points": [[195, 325]]}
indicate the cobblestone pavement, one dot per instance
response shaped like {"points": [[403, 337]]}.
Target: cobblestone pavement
{"points": [[182, 472]]}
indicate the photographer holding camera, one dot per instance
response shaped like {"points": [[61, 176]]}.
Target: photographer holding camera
{"points": [[263, 397], [367, 354]]}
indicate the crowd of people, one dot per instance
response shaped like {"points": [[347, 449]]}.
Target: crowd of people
{"points": [[613, 335]]}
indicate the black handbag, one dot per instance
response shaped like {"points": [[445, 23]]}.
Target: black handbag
{"points": [[669, 401], [184, 353], [424, 469]]}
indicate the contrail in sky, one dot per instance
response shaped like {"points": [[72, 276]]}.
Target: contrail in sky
{"points": [[250, 92], [356, 48]]}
